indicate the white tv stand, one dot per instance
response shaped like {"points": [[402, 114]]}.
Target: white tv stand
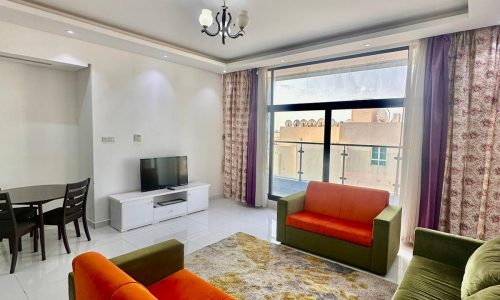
{"points": [[137, 209]]}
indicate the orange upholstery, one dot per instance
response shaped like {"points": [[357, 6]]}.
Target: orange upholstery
{"points": [[354, 232], [132, 291], [308, 221], [96, 277], [184, 285], [345, 202]]}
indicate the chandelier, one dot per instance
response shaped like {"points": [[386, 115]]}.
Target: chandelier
{"points": [[224, 24]]}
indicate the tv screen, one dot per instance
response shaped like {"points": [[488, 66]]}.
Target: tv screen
{"points": [[163, 172]]}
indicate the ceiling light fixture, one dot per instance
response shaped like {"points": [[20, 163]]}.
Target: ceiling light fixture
{"points": [[70, 32], [164, 56], [367, 45], [224, 25]]}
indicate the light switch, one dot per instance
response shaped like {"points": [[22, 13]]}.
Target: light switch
{"points": [[137, 138], [108, 139]]}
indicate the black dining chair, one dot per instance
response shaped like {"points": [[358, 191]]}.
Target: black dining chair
{"points": [[74, 207], [27, 213], [13, 230]]}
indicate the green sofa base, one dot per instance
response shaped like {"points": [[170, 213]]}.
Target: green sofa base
{"points": [[332, 248]]}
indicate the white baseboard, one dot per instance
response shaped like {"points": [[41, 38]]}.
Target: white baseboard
{"points": [[99, 224]]}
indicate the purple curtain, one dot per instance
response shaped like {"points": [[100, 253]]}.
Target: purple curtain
{"points": [[252, 139], [436, 93]]}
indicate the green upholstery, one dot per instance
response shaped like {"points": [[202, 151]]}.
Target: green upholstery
{"points": [[147, 265], [437, 267], [482, 269], [444, 247], [428, 279], [491, 293], [378, 258], [287, 206], [386, 239]]}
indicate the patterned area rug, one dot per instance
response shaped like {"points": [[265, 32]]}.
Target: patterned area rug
{"points": [[249, 268]]}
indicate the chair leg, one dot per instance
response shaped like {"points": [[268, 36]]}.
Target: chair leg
{"points": [[35, 240], [14, 241], [20, 245], [59, 232], [65, 239], [86, 228], [77, 228], [11, 244]]}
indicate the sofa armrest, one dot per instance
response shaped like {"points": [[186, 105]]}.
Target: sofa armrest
{"points": [[443, 247], [386, 238], [286, 206], [147, 265]]}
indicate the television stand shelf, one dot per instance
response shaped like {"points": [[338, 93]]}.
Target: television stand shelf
{"points": [[137, 209]]}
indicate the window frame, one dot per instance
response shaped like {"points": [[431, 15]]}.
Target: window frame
{"points": [[327, 107]]}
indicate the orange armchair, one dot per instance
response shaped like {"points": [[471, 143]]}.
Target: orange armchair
{"points": [[159, 274]]}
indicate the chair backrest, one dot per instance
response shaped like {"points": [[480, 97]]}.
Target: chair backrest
{"points": [[75, 199], [345, 202], [7, 217]]}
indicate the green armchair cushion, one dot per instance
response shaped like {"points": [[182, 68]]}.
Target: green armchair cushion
{"points": [[491, 293], [428, 279], [482, 269]]}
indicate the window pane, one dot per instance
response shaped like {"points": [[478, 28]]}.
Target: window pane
{"points": [[381, 76], [298, 150], [365, 148]]}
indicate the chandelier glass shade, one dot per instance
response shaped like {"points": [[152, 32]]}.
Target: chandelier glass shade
{"points": [[223, 20]]}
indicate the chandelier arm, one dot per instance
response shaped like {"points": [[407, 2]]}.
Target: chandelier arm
{"points": [[205, 29], [237, 35]]}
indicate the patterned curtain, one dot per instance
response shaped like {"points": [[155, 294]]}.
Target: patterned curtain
{"points": [[471, 194], [238, 91]]}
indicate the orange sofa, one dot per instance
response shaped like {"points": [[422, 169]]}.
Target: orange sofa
{"points": [[350, 224], [95, 277]]}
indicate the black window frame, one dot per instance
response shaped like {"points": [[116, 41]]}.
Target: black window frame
{"points": [[327, 107]]}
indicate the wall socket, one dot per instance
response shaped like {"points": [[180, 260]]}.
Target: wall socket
{"points": [[137, 138], [108, 139]]}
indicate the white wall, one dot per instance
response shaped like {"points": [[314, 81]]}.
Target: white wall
{"points": [[177, 109], [39, 125]]}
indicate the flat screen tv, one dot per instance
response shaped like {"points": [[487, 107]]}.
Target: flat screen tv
{"points": [[163, 172]]}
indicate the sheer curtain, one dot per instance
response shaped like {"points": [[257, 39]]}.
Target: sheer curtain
{"points": [[262, 169], [412, 140]]}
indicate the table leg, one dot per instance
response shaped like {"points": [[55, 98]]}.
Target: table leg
{"points": [[42, 230]]}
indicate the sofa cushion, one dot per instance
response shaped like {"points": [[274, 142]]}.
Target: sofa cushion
{"points": [[308, 221], [482, 269], [345, 202], [491, 293], [184, 285], [354, 232], [428, 279], [132, 291]]}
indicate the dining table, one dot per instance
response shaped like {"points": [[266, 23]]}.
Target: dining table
{"points": [[37, 195]]}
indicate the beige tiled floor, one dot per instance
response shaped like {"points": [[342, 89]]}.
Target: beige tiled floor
{"points": [[35, 279]]}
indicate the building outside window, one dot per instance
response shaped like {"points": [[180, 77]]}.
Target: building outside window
{"points": [[338, 121], [379, 156]]}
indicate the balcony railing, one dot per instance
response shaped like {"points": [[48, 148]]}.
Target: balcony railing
{"points": [[375, 166]]}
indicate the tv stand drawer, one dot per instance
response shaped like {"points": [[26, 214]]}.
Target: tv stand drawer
{"points": [[162, 213]]}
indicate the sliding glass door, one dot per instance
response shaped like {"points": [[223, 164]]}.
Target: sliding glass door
{"points": [[338, 121]]}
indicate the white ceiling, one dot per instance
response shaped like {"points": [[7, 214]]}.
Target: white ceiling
{"points": [[275, 24], [280, 31]]}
